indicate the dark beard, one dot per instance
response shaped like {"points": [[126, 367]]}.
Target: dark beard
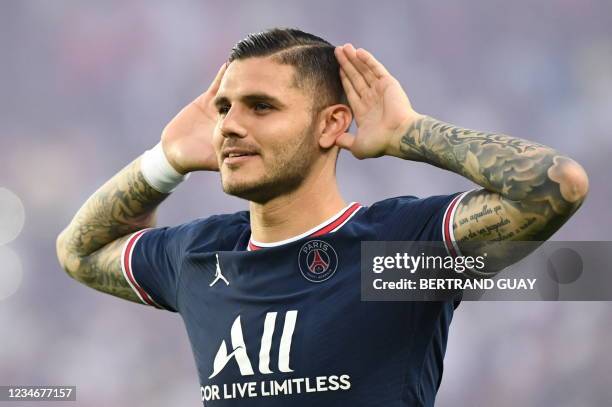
{"points": [[265, 191], [285, 177]]}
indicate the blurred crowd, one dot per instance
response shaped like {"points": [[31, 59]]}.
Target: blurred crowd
{"points": [[88, 86]]}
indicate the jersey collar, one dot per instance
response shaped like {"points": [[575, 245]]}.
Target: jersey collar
{"points": [[331, 225]]}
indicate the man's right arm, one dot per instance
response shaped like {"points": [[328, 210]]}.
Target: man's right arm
{"points": [[90, 247]]}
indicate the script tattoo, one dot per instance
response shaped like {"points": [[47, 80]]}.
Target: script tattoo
{"points": [[523, 197], [90, 247]]}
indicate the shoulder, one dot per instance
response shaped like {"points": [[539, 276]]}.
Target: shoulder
{"points": [[216, 232], [408, 203], [409, 217], [225, 221]]}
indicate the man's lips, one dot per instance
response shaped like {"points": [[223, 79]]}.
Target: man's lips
{"points": [[238, 159], [234, 156]]}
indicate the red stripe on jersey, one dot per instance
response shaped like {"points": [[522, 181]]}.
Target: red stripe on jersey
{"points": [[129, 272], [448, 223], [326, 228]]}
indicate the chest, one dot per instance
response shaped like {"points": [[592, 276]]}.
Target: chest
{"points": [[264, 318]]}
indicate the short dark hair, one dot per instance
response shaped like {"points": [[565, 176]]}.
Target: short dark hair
{"points": [[312, 57]]}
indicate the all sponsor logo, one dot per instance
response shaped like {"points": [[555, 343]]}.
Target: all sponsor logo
{"points": [[289, 385], [239, 349]]}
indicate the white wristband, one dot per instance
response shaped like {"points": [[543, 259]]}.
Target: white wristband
{"points": [[158, 172]]}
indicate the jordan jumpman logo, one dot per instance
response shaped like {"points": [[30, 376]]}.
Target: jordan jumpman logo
{"points": [[218, 274]]}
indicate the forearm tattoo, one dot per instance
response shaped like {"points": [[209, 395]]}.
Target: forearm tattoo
{"points": [[532, 199], [90, 247]]}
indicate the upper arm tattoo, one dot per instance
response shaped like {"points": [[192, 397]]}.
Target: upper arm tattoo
{"points": [[485, 215], [102, 271]]}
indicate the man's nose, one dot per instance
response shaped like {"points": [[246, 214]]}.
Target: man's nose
{"points": [[230, 124]]}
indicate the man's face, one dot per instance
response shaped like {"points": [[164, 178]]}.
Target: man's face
{"points": [[264, 139]]}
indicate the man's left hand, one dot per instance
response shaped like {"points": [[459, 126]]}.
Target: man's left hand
{"points": [[381, 108]]}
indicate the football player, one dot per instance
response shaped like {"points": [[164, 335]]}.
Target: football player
{"points": [[270, 297]]}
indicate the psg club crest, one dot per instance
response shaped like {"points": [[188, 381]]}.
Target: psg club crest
{"points": [[317, 260]]}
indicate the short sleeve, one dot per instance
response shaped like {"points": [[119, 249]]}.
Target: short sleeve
{"points": [[152, 259], [408, 218], [150, 263]]}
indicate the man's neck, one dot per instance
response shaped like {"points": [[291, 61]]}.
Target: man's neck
{"points": [[293, 214]]}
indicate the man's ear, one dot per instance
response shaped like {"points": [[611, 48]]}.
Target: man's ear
{"points": [[333, 121]]}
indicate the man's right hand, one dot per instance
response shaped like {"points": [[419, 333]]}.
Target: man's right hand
{"points": [[187, 139]]}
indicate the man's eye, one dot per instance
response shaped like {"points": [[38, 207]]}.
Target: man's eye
{"points": [[223, 109], [261, 107]]}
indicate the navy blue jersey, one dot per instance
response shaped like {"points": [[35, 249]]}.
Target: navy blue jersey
{"points": [[280, 324]]}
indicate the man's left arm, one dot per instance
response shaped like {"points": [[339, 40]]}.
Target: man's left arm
{"points": [[528, 190]]}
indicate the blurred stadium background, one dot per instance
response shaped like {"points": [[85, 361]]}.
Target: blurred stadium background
{"points": [[87, 86]]}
